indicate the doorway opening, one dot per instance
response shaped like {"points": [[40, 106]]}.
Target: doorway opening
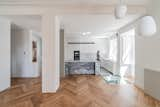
{"points": [[90, 34], [25, 36], [26, 49]]}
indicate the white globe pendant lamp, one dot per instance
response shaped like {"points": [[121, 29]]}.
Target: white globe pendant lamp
{"points": [[120, 10], [147, 26]]}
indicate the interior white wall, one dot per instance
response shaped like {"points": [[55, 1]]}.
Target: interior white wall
{"points": [[20, 54], [147, 56], [22, 65], [36, 67], [5, 51], [87, 51], [147, 48]]}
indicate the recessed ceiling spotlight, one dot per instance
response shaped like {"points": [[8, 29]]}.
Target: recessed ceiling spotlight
{"points": [[83, 33], [86, 33]]}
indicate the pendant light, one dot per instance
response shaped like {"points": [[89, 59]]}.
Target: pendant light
{"points": [[120, 10], [147, 26]]}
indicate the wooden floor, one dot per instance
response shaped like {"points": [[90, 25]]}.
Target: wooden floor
{"points": [[75, 91]]}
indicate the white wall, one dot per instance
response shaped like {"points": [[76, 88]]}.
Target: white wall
{"points": [[86, 50], [148, 57], [4, 54], [147, 48], [20, 54], [22, 65], [36, 67]]}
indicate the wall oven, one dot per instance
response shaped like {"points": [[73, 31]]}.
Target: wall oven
{"points": [[76, 55]]}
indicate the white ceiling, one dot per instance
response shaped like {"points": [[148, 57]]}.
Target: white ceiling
{"points": [[70, 2], [75, 25], [30, 22]]}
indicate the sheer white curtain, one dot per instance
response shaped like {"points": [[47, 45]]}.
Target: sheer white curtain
{"points": [[113, 49], [128, 53]]}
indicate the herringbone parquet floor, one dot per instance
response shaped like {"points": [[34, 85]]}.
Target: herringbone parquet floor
{"points": [[75, 91]]}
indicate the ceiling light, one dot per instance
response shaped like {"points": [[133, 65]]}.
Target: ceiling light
{"points": [[83, 33], [147, 26], [86, 33], [120, 10]]}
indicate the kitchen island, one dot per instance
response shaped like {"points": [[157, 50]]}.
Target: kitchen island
{"points": [[73, 67]]}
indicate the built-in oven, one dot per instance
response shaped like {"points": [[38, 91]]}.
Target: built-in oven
{"points": [[76, 55]]}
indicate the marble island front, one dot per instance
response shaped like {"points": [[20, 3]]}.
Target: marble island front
{"points": [[73, 67]]}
